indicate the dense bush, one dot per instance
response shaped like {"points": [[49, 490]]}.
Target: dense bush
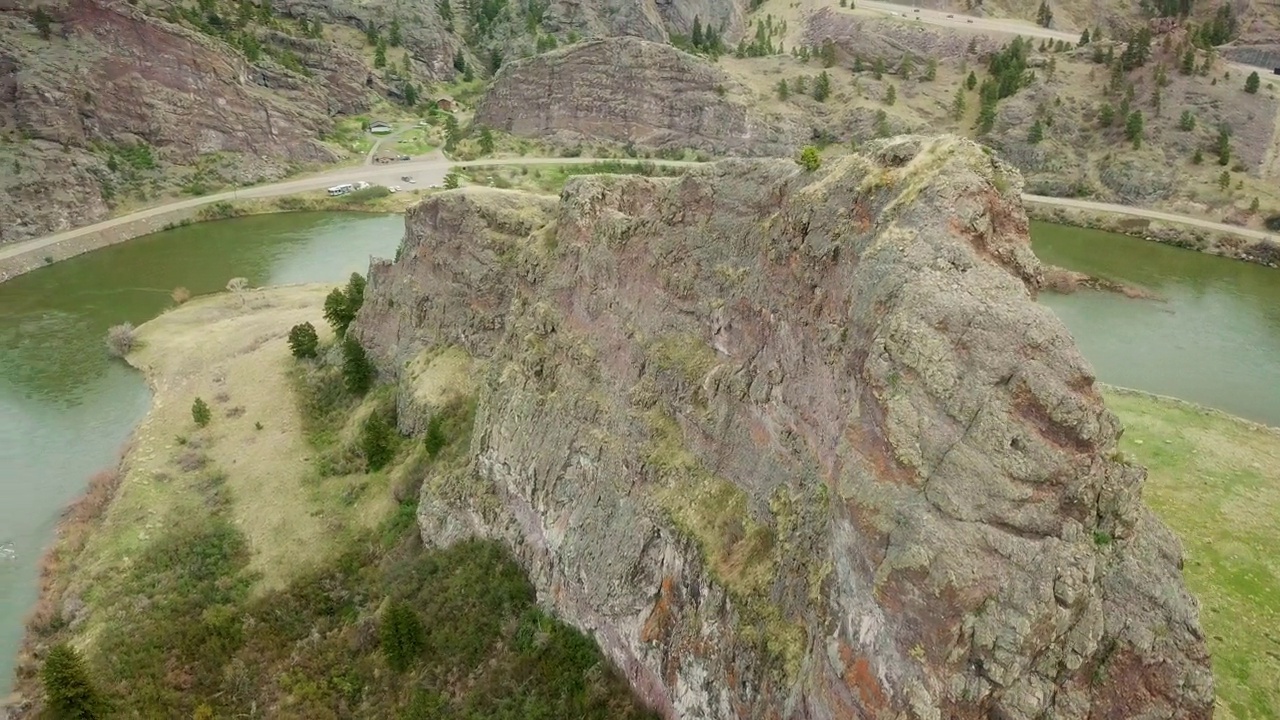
{"points": [[403, 637], [303, 340], [200, 412]]}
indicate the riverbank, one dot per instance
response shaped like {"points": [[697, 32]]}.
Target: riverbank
{"points": [[249, 567], [1236, 247], [21, 264]]}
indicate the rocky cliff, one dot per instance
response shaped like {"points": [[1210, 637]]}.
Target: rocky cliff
{"points": [[795, 445], [111, 80], [628, 90]]}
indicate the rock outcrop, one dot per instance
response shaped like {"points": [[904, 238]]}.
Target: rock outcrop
{"points": [[796, 445], [629, 90], [111, 77]]}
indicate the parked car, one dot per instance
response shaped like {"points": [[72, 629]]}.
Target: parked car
{"points": [[394, 188]]}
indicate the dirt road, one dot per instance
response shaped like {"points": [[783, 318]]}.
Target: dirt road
{"points": [[425, 172], [1151, 215], [432, 171]]}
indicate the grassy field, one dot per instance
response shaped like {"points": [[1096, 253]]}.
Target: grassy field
{"points": [[249, 568], [1215, 480]]}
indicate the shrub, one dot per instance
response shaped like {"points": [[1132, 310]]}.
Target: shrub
{"points": [[342, 304], [403, 637], [303, 340], [809, 158], [180, 295], [435, 439], [357, 371], [200, 412], [122, 339], [67, 687], [377, 442]]}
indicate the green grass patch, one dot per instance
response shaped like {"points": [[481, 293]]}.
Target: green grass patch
{"points": [[1216, 481], [415, 142]]}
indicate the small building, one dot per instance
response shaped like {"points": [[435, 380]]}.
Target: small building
{"points": [[446, 104], [379, 127]]}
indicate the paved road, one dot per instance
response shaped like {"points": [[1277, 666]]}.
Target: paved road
{"points": [[426, 172], [432, 170]]}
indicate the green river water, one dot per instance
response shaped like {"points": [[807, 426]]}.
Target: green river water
{"points": [[66, 409]]}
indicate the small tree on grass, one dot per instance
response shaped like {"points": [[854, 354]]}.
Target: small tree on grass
{"points": [[1251, 83], [200, 412], [68, 690], [122, 339], [1036, 133], [451, 180], [357, 371], [809, 158], [43, 22], [403, 636], [303, 340], [377, 442], [1224, 180], [342, 304], [435, 439]]}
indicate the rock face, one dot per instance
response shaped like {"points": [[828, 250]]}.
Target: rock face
{"points": [[631, 90], [111, 77], [796, 445]]}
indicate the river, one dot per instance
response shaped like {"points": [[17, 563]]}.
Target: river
{"points": [[66, 409]]}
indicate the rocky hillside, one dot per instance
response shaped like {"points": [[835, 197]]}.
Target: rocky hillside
{"points": [[632, 91], [116, 104], [794, 445]]}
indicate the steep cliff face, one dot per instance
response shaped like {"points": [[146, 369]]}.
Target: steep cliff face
{"points": [[795, 445], [110, 77], [631, 90], [653, 20]]}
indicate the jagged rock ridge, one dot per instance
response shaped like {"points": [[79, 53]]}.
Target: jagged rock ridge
{"points": [[796, 445], [628, 90]]}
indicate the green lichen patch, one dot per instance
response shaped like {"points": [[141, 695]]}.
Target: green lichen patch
{"points": [[687, 355]]}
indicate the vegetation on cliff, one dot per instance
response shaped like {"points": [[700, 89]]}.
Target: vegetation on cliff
{"points": [[179, 617]]}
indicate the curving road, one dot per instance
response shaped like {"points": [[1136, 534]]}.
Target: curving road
{"points": [[431, 171], [426, 172]]}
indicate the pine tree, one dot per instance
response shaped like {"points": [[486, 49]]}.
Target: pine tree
{"points": [[877, 71], [931, 70], [1133, 128], [957, 105], [1224, 180], [357, 371], [68, 689], [1251, 83], [1084, 37], [1188, 64], [446, 14], [783, 91], [890, 95], [380, 55], [393, 35], [486, 141], [1187, 122], [410, 93], [822, 87], [1106, 115], [1044, 15], [971, 82], [906, 67], [303, 340], [200, 412], [809, 158], [696, 36], [1198, 157], [1224, 147], [43, 22], [1036, 134]]}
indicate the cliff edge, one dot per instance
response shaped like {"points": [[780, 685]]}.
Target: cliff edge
{"points": [[795, 445]]}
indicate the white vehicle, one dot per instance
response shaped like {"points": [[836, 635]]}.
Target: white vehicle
{"points": [[362, 185], [343, 189], [394, 188]]}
